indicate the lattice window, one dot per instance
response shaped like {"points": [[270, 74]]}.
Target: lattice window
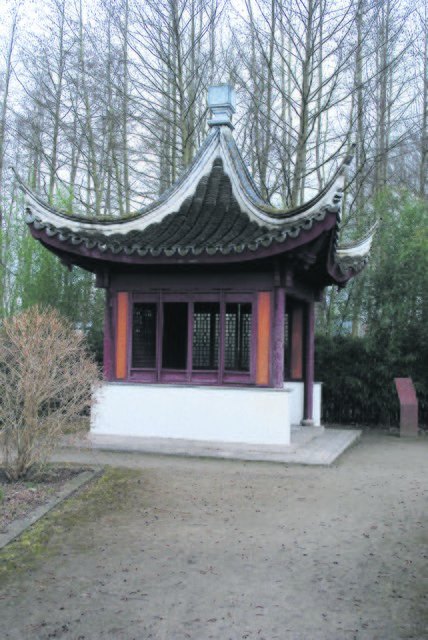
{"points": [[237, 348], [144, 320], [206, 332]]}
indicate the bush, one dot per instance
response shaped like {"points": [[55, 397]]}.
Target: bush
{"points": [[46, 381], [358, 376], [390, 300], [355, 389]]}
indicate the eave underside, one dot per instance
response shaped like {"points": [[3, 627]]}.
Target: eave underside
{"points": [[308, 262]]}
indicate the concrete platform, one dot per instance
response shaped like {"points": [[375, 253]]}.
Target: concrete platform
{"points": [[309, 446]]}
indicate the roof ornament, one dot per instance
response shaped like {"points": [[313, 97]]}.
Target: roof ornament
{"points": [[222, 102]]}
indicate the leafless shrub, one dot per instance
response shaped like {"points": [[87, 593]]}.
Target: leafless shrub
{"points": [[46, 381]]}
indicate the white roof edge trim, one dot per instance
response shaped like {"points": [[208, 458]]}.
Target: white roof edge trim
{"points": [[257, 214], [360, 250], [183, 191]]}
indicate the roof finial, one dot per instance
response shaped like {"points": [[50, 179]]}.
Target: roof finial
{"points": [[222, 102]]}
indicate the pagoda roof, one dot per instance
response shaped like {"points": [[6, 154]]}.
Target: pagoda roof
{"points": [[213, 214]]}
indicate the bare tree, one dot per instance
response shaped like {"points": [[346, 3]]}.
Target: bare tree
{"points": [[295, 65], [5, 201], [5, 101], [423, 53], [46, 382], [172, 44]]}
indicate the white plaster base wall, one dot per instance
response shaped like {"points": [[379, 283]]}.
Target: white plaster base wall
{"points": [[296, 401], [317, 403], [297, 397], [219, 414]]}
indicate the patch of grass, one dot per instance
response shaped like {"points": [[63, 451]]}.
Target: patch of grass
{"points": [[112, 492], [1, 495]]}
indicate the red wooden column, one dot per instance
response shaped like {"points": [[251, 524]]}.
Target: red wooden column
{"points": [[263, 337], [121, 334], [308, 410]]}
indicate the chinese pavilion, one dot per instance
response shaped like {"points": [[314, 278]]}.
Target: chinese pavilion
{"points": [[210, 292]]}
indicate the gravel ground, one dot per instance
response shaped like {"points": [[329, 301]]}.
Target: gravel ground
{"points": [[231, 550]]}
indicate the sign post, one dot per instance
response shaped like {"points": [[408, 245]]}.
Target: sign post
{"points": [[408, 407]]}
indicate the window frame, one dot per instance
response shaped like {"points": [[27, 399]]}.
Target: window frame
{"points": [[219, 376]]}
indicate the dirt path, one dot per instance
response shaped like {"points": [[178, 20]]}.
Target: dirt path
{"points": [[232, 550]]}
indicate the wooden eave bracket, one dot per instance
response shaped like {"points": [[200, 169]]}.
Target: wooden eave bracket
{"points": [[102, 279]]}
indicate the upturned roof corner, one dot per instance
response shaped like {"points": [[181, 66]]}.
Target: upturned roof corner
{"points": [[355, 255]]}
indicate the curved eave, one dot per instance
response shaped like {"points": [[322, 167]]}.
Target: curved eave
{"points": [[264, 247], [252, 203], [350, 259]]}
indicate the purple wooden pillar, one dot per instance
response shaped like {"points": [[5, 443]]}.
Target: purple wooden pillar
{"points": [[278, 337], [308, 409], [108, 338]]}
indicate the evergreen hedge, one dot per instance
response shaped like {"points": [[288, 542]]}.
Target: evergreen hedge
{"points": [[358, 377]]}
